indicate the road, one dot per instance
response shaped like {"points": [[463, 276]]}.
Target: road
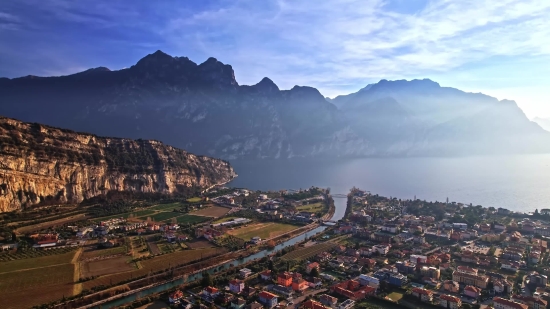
{"points": [[297, 301]]}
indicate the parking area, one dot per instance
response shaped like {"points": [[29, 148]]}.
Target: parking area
{"points": [[476, 248]]}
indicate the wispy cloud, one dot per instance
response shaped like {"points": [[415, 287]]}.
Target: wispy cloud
{"points": [[337, 46], [331, 44]]}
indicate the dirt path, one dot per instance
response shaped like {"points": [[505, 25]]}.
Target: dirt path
{"points": [[77, 287]]}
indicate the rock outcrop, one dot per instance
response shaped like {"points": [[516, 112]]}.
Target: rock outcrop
{"points": [[44, 164]]}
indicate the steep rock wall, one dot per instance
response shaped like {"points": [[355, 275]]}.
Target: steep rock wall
{"points": [[40, 163]]}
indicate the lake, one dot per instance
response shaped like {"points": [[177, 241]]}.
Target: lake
{"points": [[519, 183]]}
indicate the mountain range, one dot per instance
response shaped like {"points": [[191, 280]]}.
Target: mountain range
{"points": [[202, 108]]}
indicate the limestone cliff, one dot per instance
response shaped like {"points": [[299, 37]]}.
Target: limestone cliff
{"points": [[40, 163]]}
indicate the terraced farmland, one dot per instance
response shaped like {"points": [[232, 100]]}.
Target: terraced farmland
{"points": [[306, 253]]}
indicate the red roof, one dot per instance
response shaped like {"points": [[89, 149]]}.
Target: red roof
{"points": [[235, 282], [313, 265], [266, 273], [506, 302], [311, 304], [211, 290], [267, 295], [472, 289]]}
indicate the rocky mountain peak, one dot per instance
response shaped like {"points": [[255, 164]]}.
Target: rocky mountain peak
{"points": [[266, 84], [213, 70]]}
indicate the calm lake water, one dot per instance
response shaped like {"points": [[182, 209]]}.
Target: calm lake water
{"points": [[519, 183]]}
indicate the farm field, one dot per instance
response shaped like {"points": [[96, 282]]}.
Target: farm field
{"points": [[315, 207], [167, 207], [162, 216], [88, 254], [17, 286], [105, 267], [263, 230], [212, 211], [40, 226], [194, 200], [45, 261], [201, 243], [126, 215], [190, 219], [306, 253], [8, 256], [156, 264]]}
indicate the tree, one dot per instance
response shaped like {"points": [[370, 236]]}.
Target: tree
{"points": [[314, 272], [206, 280]]}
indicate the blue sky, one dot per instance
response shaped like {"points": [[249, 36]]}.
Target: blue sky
{"points": [[501, 48]]}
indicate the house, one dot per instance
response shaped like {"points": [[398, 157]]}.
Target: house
{"points": [[224, 297], [418, 258], [175, 297], [324, 257], [266, 275], [248, 291], [284, 279], [256, 240], [238, 303], [366, 262], [381, 249], [464, 275], [254, 305], [472, 291], [451, 286], [370, 281], [501, 303], [352, 289], [210, 292], [282, 290], [236, 286], [311, 304], [450, 302], [312, 266], [538, 279], [347, 304], [328, 300], [298, 283], [315, 283], [531, 301], [423, 294], [245, 273], [268, 299], [501, 286]]}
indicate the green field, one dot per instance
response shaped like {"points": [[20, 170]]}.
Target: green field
{"points": [[45, 261], [194, 200], [191, 219], [125, 215], [162, 216], [225, 219], [395, 296], [167, 207], [306, 253], [315, 207], [262, 230]]}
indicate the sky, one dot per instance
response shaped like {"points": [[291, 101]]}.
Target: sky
{"points": [[500, 48]]}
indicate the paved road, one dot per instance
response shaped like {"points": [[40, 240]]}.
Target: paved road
{"points": [[297, 301]]}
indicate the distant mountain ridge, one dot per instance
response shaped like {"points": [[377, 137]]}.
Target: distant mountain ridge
{"points": [[202, 108], [543, 122]]}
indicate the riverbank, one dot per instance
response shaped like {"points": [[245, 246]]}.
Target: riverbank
{"points": [[236, 260]]}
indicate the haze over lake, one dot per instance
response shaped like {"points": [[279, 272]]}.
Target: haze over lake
{"points": [[519, 183]]}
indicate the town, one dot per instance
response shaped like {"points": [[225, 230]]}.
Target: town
{"points": [[238, 248]]}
